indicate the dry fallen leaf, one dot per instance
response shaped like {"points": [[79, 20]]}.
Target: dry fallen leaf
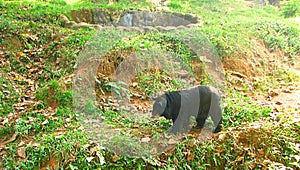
{"points": [[86, 145], [261, 152], [175, 161], [34, 144], [22, 143], [170, 150], [286, 91], [239, 158], [68, 120], [52, 163], [273, 93], [89, 159], [266, 162], [93, 150], [2, 152], [45, 122], [190, 156], [13, 138], [4, 121], [172, 142], [101, 159], [115, 158], [21, 152], [222, 137]]}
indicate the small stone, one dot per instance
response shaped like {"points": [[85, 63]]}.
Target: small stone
{"points": [[145, 140], [134, 84]]}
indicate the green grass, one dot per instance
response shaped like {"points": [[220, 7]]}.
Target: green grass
{"points": [[291, 9], [219, 154], [8, 96], [240, 110], [280, 35]]}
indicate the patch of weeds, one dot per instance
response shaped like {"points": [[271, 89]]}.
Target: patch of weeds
{"points": [[57, 150], [64, 52], [240, 110], [153, 83], [54, 94], [119, 118], [79, 38], [285, 139], [123, 119], [174, 45], [129, 145], [18, 62], [180, 6], [7, 131], [121, 4], [280, 35], [228, 40], [8, 95], [174, 5], [65, 112], [168, 42], [138, 43], [125, 162], [5, 28], [249, 146], [35, 123], [276, 79], [58, 2], [32, 11], [90, 108], [111, 115], [119, 90], [158, 125], [287, 76], [290, 8]]}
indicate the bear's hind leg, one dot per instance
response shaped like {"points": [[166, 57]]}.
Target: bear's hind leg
{"points": [[216, 113], [202, 116]]}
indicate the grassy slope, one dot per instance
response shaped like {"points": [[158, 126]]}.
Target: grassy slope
{"points": [[37, 55]]}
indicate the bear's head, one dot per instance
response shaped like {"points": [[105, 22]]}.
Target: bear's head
{"points": [[159, 107]]}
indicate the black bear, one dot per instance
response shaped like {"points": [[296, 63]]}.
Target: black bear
{"points": [[199, 101]]}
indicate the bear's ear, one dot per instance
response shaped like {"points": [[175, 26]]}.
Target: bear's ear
{"points": [[163, 102], [154, 98]]}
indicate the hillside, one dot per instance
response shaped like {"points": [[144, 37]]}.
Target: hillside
{"points": [[77, 79]]}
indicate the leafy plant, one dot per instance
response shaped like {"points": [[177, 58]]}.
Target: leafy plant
{"points": [[8, 95], [238, 110], [54, 94], [291, 8], [174, 5], [280, 35]]}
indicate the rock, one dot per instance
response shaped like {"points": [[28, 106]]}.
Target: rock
{"points": [[83, 15], [147, 28], [106, 17], [145, 140], [101, 17], [180, 27], [134, 84]]}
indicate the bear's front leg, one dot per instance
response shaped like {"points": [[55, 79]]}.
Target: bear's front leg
{"points": [[181, 125]]}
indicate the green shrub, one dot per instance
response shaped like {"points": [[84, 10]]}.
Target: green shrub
{"points": [[174, 5], [291, 8], [53, 93], [279, 35]]}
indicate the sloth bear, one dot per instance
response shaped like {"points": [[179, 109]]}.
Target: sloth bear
{"points": [[199, 101]]}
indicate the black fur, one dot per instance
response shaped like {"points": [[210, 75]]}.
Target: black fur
{"points": [[181, 105]]}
